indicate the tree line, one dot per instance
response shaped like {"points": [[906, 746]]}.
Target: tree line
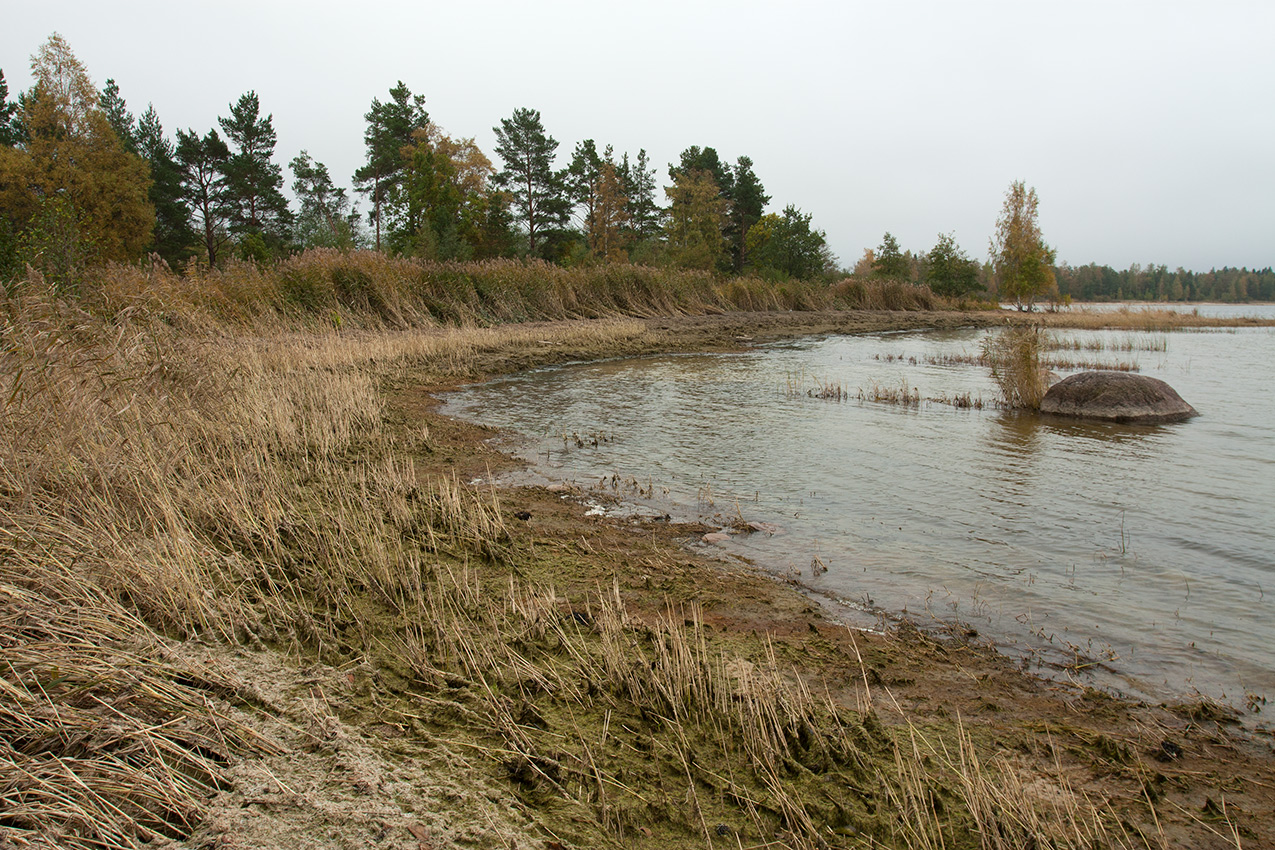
{"points": [[82, 179]]}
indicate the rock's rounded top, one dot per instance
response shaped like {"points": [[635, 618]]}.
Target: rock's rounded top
{"points": [[1116, 397]]}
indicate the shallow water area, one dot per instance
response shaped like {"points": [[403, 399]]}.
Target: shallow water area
{"points": [[1130, 557]]}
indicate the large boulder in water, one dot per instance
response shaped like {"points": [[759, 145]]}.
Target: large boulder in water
{"points": [[1116, 397]]}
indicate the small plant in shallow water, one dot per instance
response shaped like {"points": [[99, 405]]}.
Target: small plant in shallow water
{"points": [[1013, 355], [900, 395]]}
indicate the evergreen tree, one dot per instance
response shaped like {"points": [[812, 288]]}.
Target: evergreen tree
{"points": [[253, 180], [10, 125], [948, 271], [118, 116], [890, 261], [747, 199], [696, 158], [173, 236], [202, 165], [581, 181], [496, 236], [390, 132], [325, 218], [536, 190], [786, 246], [638, 185]]}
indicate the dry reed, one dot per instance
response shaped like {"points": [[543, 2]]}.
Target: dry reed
{"points": [[1013, 355], [242, 487]]}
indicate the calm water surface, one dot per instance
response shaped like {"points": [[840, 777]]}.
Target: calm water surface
{"points": [[1142, 556]]}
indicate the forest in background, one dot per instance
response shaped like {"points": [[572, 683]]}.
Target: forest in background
{"points": [[84, 181]]}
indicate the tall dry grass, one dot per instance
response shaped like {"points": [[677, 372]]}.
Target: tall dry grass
{"points": [[365, 288], [1014, 357], [156, 484], [240, 485]]}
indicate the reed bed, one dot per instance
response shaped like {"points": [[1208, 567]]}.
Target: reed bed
{"points": [[1152, 319], [368, 289], [1128, 342]]}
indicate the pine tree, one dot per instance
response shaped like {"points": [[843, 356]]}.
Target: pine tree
{"points": [[639, 187], [118, 116], [202, 164], [747, 199], [581, 180], [696, 158], [948, 271], [325, 218], [388, 137], [539, 200], [173, 235], [10, 126], [253, 181], [786, 246]]}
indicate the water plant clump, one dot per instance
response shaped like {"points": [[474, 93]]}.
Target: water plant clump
{"points": [[901, 395], [1014, 357]]}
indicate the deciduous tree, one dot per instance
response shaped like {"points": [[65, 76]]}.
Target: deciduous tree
{"points": [[697, 212], [611, 216], [69, 152], [1022, 262], [744, 196], [539, 200], [447, 196]]}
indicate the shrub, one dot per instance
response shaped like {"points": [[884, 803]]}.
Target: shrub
{"points": [[1013, 355]]}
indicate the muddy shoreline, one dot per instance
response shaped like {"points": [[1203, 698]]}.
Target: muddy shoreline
{"points": [[1165, 770]]}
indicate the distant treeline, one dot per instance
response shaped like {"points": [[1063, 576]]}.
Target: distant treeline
{"points": [[84, 182], [1156, 283]]}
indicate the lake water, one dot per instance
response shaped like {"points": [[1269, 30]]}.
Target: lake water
{"points": [[1130, 557]]}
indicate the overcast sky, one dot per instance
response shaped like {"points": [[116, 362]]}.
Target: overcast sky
{"points": [[1147, 128]]}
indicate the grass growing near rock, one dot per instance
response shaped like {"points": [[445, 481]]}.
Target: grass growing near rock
{"points": [[1014, 357]]}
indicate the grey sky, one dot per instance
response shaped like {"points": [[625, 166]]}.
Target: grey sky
{"points": [[1147, 128]]}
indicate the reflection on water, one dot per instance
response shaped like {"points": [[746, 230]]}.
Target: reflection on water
{"points": [[1142, 554]]}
